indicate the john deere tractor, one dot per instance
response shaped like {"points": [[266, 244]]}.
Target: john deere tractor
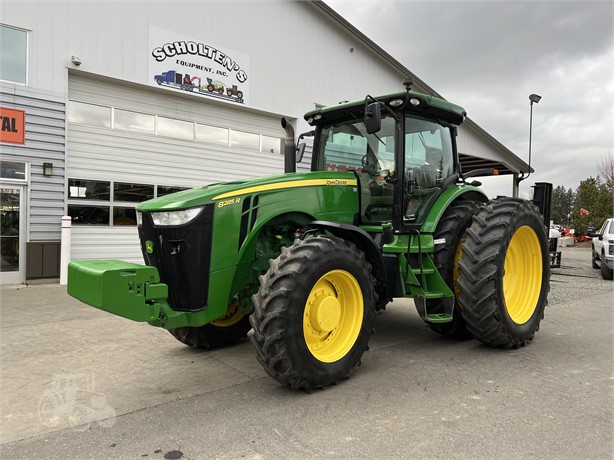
{"points": [[308, 259]]}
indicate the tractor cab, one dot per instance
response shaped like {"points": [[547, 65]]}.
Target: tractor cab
{"points": [[402, 160]]}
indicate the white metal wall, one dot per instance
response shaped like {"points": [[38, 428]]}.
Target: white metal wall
{"points": [[45, 142]]}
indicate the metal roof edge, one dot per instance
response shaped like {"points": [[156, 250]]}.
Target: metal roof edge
{"points": [[387, 57]]}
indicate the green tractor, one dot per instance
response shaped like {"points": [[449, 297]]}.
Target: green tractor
{"points": [[308, 259]]}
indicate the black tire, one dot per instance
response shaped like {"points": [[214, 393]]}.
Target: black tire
{"points": [[451, 229], [280, 332], [505, 309], [217, 334], [229, 92], [239, 94], [220, 91], [595, 258], [606, 272]]}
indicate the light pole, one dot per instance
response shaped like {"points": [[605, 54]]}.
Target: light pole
{"points": [[534, 98]]}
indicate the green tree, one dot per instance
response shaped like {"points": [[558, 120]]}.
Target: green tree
{"points": [[562, 205], [595, 196]]}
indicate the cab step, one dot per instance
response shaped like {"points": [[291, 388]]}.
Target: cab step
{"points": [[438, 318]]}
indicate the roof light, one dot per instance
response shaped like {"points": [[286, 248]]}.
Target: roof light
{"points": [[317, 116], [414, 101], [310, 120], [396, 103]]}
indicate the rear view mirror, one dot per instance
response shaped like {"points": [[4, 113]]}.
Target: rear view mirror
{"points": [[373, 118], [300, 151]]}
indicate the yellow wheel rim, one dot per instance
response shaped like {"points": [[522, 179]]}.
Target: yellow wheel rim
{"points": [[522, 277], [455, 269], [233, 316], [333, 316]]}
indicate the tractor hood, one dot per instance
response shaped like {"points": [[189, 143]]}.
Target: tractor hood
{"points": [[228, 190]]}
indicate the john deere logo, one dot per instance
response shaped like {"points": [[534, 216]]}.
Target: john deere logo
{"points": [[149, 247]]}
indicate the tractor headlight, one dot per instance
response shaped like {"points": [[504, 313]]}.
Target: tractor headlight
{"points": [[168, 218]]}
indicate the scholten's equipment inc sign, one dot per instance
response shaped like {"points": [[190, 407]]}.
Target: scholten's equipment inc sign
{"points": [[201, 68]]}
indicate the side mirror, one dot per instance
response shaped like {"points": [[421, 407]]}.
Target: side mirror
{"points": [[591, 234], [300, 151], [373, 117], [600, 236]]}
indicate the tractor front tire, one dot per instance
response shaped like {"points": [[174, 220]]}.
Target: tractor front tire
{"points": [[505, 273], [220, 333], [452, 230], [314, 313]]}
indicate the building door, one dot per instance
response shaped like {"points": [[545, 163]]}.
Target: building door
{"points": [[12, 234]]}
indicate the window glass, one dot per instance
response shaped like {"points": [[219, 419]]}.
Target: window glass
{"points": [[133, 192], [89, 190], [89, 215], [89, 114], [346, 146], [271, 144], [124, 216], [428, 162], [175, 128], [165, 190], [12, 170], [133, 121], [212, 134], [244, 140], [13, 55]]}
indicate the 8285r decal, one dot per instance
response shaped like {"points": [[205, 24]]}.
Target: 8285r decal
{"points": [[223, 203]]}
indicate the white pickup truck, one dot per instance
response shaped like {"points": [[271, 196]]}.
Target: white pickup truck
{"points": [[603, 249]]}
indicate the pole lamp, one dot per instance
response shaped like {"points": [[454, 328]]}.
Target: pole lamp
{"points": [[534, 98]]}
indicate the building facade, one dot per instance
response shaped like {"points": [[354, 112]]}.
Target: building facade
{"points": [[107, 104]]}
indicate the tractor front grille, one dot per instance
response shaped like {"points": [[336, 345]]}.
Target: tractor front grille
{"points": [[182, 255]]}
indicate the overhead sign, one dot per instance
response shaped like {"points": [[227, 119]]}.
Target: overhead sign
{"points": [[181, 63], [12, 126]]}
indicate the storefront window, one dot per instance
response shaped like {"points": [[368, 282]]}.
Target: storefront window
{"points": [[89, 114], [244, 140], [175, 128], [89, 190], [133, 192], [271, 144], [13, 55], [164, 190], [212, 134], [12, 170], [89, 215], [133, 121], [124, 216]]}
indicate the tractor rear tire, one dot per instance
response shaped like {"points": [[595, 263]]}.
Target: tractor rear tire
{"points": [[505, 273], [452, 229], [314, 313], [220, 333]]}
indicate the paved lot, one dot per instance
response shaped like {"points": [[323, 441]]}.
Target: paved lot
{"points": [[416, 395]]}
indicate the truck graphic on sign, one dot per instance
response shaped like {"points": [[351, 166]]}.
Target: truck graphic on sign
{"points": [[193, 84]]}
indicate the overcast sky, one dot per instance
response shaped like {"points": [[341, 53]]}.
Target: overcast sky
{"points": [[489, 56]]}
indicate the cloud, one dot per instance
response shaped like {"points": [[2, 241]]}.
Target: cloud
{"points": [[489, 56]]}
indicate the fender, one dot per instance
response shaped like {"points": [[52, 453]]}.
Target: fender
{"points": [[446, 198], [364, 242]]}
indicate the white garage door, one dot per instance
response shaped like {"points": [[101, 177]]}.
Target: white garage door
{"points": [[127, 143]]}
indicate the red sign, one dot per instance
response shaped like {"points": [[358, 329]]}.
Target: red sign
{"points": [[12, 126]]}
